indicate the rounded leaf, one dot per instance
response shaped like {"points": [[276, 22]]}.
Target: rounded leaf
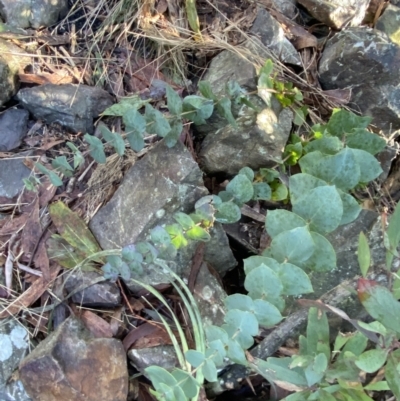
{"points": [[210, 371], [294, 280], [195, 358], [262, 191], [280, 220], [294, 246], [228, 213], [248, 172], [267, 314], [322, 207], [241, 188], [324, 257], [184, 220], [262, 282], [198, 233], [369, 166], [254, 261], [351, 208], [300, 184], [372, 360], [239, 301], [186, 382], [245, 326]]}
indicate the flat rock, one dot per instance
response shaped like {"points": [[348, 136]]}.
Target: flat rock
{"points": [[389, 22], [101, 295], [337, 13], [13, 124], [258, 141], [72, 106], [14, 345], [12, 172], [32, 13], [272, 36], [72, 365], [369, 62], [11, 62], [165, 181]]}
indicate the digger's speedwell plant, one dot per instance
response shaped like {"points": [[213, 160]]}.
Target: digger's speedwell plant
{"points": [[335, 159]]}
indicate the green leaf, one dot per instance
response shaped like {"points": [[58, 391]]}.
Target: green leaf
{"points": [[265, 86], [206, 90], [96, 149], [317, 333], [113, 139], [176, 234], [241, 188], [186, 382], [280, 220], [136, 141], [210, 371], [160, 236], [254, 261], [372, 360], [344, 122], [300, 114], [380, 303], [300, 184], [369, 166], [355, 345], [54, 178], [293, 246], [173, 136], [156, 122], [239, 301], [125, 105], [267, 314], [294, 280], [363, 254], [322, 208], [228, 213], [279, 192], [198, 233], [174, 102], [324, 257], [184, 220], [245, 326], [235, 353], [195, 358], [214, 333], [351, 208], [392, 373], [63, 166], [262, 282], [268, 174], [73, 230], [377, 386], [224, 108], [341, 169], [134, 121], [262, 191], [365, 140], [216, 351], [197, 109], [292, 153], [248, 172], [267, 68], [393, 230], [329, 145]]}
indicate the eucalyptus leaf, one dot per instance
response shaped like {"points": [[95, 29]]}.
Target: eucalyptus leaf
{"points": [[267, 314], [136, 141], [322, 208], [294, 246], [160, 236], [198, 233], [156, 122], [224, 108], [370, 167], [262, 191], [209, 371], [206, 90], [184, 220], [62, 165], [248, 172], [343, 122], [113, 139], [324, 257], [186, 382], [280, 220], [134, 121], [300, 184], [197, 109], [328, 145], [228, 213], [173, 135], [245, 325], [294, 280], [174, 102], [96, 148], [351, 208], [241, 188], [195, 358], [125, 105], [372, 360], [252, 262], [365, 140]]}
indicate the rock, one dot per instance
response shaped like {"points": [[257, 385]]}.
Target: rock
{"points": [[32, 13], [14, 345], [13, 124], [272, 36], [367, 61], [286, 7], [161, 355], [72, 106], [11, 62], [12, 172], [258, 142], [337, 13], [72, 365], [101, 295], [389, 22], [165, 181]]}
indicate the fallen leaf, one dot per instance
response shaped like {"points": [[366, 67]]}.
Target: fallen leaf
{"points": [[96, 325]]}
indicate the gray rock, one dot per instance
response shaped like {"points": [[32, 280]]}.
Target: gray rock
{"points": [[286, 7], [12, 172], [32, 13], [101, 295], [12, 128], [11, 62], [72, 106], [272, 36], [166, 180], [161, 355], [389, 22], [337, 13], [14, 345], [367, 61], [72, 365], [258, 141]]}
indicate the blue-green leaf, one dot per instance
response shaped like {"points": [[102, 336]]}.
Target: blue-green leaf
{"points": [[351, 208], [113, 139], [195, 358], [156, 122], [210, 371], [186, 382], [365, 140], [96, 149], [262, 191], [328, 145], [254, 261], [343, 122], [267, 314], [322, 208], [241, 188], [248, 172], [369, 166], [174, 102], [363, 254], [293, 246], [372, 360], [301, 184], [228, 213], [294, 280], [197, 109], [245, 326], [280, 220]]}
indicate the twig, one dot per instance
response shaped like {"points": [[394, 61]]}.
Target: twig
{"points": [[29, 270]]}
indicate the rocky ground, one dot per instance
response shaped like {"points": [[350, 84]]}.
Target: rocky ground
{"points": [[68, 334]]}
